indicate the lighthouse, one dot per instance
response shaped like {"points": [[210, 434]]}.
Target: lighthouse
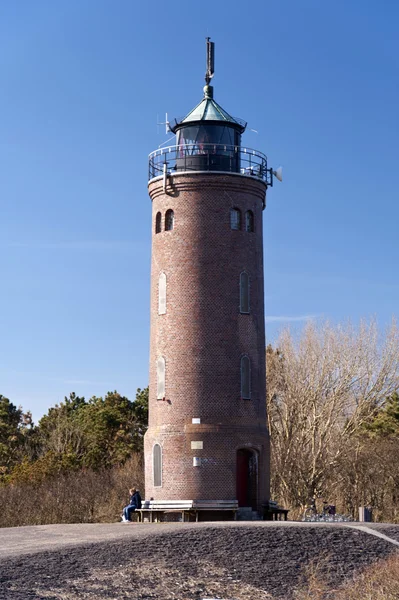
{"points": [[207, 442]]}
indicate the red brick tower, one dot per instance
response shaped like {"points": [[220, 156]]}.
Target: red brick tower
{"points": [[207, 437]]}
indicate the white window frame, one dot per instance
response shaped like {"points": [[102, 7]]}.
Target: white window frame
{"points": [[170, 212], [161, 391], [237, 216], [153, 465], [252, 216]]}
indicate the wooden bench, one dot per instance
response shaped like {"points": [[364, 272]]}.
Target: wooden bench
{"points": [[273, 512], [277, 513], [155, 509]]}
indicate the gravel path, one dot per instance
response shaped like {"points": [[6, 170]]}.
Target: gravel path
{"points": [[240, 561], [391, 531]]}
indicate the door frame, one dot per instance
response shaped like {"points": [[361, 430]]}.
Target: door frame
{"points": [[254, 454]]}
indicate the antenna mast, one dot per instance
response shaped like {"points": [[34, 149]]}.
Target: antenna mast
{"points": [[210, 60]]}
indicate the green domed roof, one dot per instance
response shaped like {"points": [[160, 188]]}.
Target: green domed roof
{"points": [[209, 110]]}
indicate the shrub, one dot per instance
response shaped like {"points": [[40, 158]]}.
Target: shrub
{"points": [[84, 496]]}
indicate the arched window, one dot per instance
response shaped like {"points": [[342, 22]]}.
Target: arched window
{"points": [[245, 378], [235, 218], [169, 220], [249, 221], [244, 293], [162, 294], [160, 378], [158, 222], [157, 465]]}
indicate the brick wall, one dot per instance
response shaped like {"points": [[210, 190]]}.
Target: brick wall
{"points": [[203, 336]]}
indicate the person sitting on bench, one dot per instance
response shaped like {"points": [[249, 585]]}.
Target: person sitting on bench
{"points": [[134, 504]]}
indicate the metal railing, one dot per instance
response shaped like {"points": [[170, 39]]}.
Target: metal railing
{"points": [[209, 157]]}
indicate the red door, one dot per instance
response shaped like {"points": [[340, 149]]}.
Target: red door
{"points": [[242, 477]]}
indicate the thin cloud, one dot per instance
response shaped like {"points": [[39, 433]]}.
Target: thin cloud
{"points": [[288, 318]]}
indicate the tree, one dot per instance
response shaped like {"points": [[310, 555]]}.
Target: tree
{"points": [[321, 391], [97, 433], [14, 428], [78, 434], [141, 411], [386, 421], [60, 434], [114, 428]]}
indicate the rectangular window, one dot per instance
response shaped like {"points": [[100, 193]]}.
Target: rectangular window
{"points": [[235, 218], [157, 465], [160, 378]]}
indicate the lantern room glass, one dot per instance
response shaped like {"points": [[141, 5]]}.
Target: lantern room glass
{"points": [[198, 136], [208, 147]]}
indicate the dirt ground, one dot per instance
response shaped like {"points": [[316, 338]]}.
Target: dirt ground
{"points": [[230, 561]]}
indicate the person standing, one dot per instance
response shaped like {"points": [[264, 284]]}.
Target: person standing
{"points": [[134, 504]]}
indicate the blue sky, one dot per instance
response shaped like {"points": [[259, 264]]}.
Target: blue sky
{"points": [[82, 83]]}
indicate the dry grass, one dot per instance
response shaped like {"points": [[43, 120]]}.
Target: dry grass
{"points": [[380, 581], [84, 496], [158, 581]]}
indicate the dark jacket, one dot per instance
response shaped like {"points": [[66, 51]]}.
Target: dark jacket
{"points": [[135, 500]]}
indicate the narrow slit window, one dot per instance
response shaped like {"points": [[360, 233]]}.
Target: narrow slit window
{"points": [[244, 293], [249, 221], [162, 294], [245, 378], [157, 465], [160, 378], [235, 219], [169, 220], [158, 223]]}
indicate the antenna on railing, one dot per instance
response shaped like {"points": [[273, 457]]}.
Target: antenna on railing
{"points": [[166, 123], [167, 129], [210, 60], [168, 140]]}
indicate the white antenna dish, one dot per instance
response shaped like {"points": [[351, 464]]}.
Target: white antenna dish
{"points": [[278, 173]]}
